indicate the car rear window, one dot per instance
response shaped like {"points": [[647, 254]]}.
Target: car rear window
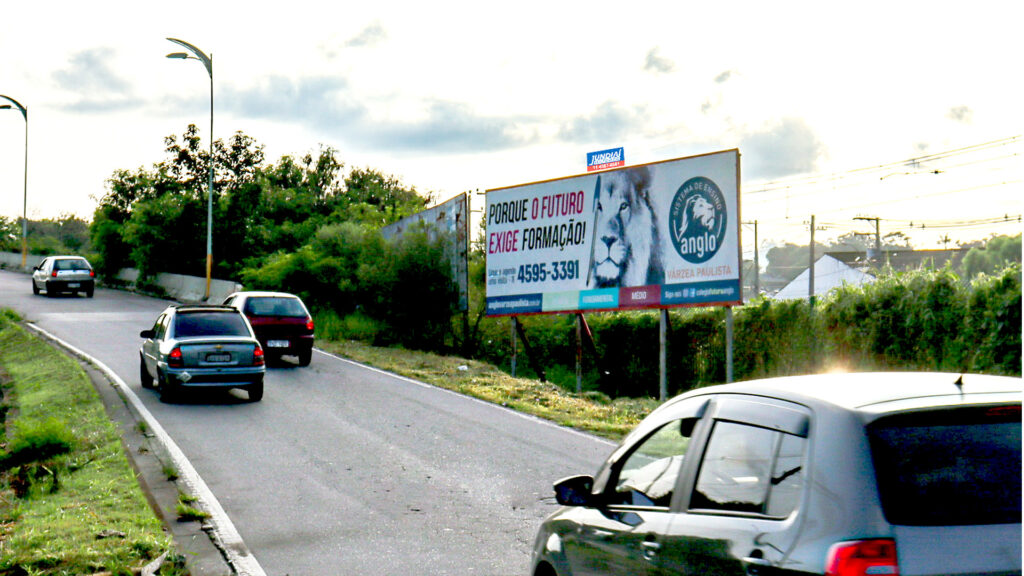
{"points": [[950, 467], [70, 264], [274, 306], [191, 324]]}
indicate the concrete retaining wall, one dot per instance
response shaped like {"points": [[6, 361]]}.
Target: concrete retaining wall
{"points": [[12, 260], [178, 287]]}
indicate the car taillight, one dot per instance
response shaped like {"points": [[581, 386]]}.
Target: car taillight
{"points": [[54, 273], [175, 359], [309, 324], [862, 558], [92, 273], [257, 356]]}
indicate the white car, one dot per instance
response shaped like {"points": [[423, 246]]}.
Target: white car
{"points": [[55, 274]]}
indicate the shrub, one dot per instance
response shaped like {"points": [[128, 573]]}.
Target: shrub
{"points": [[37, 442]]}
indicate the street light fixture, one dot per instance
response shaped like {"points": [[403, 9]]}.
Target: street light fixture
{"points": [[24, 206], [207, 61]]}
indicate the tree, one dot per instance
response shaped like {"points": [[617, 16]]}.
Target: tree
{"points": [[998, 253], [789, 260], [380, 200], [10, 234]]}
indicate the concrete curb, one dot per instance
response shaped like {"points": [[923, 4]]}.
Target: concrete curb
{"points": [[221, 530]]}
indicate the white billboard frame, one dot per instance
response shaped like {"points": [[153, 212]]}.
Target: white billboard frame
{"points": [[669, 237]]}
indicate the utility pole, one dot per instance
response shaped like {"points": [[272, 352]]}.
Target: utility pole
{"points": [[878, 233], [757, 262], [810, 282]]}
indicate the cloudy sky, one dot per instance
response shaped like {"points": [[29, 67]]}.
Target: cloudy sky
{"points": [[906, 111]]}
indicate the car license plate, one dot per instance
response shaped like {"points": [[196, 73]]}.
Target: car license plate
{"points": [[72, 284], [218, 357], [277, 343]]}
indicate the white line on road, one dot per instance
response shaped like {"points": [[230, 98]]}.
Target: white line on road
{"points": [[222, 531]]}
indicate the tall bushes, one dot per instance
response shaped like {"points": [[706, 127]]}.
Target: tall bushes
{"points": [[922, 320], [404, 285]]}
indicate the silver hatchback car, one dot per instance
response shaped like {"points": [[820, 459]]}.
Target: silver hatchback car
{"points": [[201, 346], [55, 274], [849, 475]]}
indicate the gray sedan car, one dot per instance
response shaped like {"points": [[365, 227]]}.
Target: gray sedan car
{"points": [[71, 274], [201, 347], [854, 474]]}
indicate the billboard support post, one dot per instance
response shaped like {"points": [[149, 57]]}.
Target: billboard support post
{"points": [[579, 353], [514, 330], [728, 344], [663, 356]]}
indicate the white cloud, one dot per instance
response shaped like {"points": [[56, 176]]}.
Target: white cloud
{"points": [[458, 95]]}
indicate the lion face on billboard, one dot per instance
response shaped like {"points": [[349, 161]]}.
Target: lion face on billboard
{"points": [[626, 249]]}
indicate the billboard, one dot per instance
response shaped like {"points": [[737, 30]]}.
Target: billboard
{"points": [[451, 218], [658, 235]]}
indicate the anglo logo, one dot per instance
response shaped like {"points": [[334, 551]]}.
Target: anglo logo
{"points": [[697, 220]]}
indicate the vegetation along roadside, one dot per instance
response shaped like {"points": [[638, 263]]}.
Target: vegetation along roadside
{"points": [[69, 500]]}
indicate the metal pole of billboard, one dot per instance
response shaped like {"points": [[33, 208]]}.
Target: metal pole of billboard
{"points": [[579, 353], [663, 356], [728, 344], [515, 320]]}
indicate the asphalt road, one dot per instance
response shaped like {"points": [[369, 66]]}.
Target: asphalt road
{"points": [[343, 469]]}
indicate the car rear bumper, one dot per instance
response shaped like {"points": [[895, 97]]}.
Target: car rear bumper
{"points": [[287, 344], [212, 378], [70, 285]]}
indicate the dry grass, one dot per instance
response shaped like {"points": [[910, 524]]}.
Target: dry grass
{"points": [[590, 412]]}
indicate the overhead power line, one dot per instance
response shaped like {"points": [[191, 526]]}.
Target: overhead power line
{"points": [[802, 181]]}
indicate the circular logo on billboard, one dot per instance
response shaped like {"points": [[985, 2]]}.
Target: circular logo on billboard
{"points": [[697, 220]]}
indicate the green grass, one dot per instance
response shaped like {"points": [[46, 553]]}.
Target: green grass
{"points": [[97, 518], [589, 412], [186, 511]]}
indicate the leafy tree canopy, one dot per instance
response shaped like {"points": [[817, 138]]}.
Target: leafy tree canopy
{"points": [[154, 219]]}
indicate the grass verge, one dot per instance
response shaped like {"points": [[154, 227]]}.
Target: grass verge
{"points": [[77, 510], [591, 412]]}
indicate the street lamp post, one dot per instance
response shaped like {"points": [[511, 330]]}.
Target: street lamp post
{"points": [[208, 62], [24, 205]]}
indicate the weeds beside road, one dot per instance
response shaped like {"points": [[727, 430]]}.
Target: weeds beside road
{"points": [[69, 500], [591, 412], [97, 520]]}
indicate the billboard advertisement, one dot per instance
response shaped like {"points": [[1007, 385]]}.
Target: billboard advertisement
{"points": [[657, 235], [451, 218], [606, 159]]}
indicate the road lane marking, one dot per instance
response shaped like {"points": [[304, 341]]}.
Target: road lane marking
{"points": [[222, 531]]}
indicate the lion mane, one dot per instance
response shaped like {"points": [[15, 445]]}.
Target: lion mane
{"points": [[626, 248]]}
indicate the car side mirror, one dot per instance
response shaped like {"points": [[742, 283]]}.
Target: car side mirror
{"points": [[575, 491], [148, 334]]}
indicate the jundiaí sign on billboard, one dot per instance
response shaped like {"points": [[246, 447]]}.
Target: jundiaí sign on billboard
{"points": [[606, 159], [659, 235]]}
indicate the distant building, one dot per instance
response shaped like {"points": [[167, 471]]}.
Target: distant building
{"points": [[902, 260], [829, 273]]}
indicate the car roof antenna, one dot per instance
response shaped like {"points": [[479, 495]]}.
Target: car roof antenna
{"points": [[960, 384]]}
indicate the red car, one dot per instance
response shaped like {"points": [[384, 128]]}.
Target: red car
{"points": [[282, 323]]}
